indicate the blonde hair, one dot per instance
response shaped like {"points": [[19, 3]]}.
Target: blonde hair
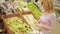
{"points": [[48, 5]]}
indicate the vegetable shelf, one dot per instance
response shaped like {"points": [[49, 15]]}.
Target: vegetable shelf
{"points": [[35, 10], [15, 24]]}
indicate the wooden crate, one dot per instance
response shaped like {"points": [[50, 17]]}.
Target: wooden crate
{"points": [[28, 13], [9, 31]]}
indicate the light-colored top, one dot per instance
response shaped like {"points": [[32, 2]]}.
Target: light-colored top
{"points": [[48, 20]]}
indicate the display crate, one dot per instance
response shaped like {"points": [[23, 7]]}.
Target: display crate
{"points": [[30, 19], [9, 31]]}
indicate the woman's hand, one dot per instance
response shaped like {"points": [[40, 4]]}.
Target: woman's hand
{"points": [[38, 24]]}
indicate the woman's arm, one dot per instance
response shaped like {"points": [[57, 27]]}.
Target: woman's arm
{"points": [[44, 26], [40, 25]]}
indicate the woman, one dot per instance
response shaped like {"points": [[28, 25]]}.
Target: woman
{"points": [[48, 18]]}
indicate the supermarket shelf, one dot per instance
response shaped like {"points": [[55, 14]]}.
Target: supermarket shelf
{"points": [[57, 4], [56, 8]]}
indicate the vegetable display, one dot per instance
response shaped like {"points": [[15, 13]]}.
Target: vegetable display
{"points": [[23, 6], [35, 10], [18, 26], [31, 20]]}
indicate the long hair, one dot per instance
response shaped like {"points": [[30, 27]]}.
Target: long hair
{"points": [[48, 5]]}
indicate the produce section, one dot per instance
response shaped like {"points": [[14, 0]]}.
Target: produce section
{"points": [[19, 17], [22, 16], [24, 6]]}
